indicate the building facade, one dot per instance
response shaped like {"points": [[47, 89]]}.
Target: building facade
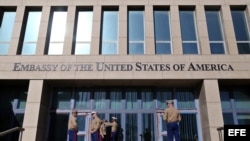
{"points": [[123, 58]]}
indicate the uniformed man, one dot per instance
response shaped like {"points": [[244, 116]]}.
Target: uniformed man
{"points": [[72, 126], [95, 126], [172, 117], [114, 128]]}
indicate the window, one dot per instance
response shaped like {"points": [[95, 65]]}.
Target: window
{"points": [[215, 33], [57, 32], [13, 102], [7, 19], [188, 32], [136, 32], [241, 30], [162, 32], [31, 29], [235, 105], [109, 32], [83, 31]]}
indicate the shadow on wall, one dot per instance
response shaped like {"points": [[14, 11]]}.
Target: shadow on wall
{"points": [[8, 120]]}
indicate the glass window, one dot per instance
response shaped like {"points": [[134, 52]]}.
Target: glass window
{"points": [[228, 118], [188, 123], [147, 99], [225, 99], [13, 102], [242, 98], [57, 34], [188, 32], [214, 25], [109, 32], [241, 31], [162, 95], [31, 33], [115, 99], [82, 99], [185, 98], [136, 32], [131, 127], [100, 99], [244, 119], [148, 127], [235, 104], [83, 32], [162, 32], [131, 99], [6, 28], [62, 99]]}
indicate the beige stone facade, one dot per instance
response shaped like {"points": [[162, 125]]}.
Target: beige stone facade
{"points": [[204, 71]]}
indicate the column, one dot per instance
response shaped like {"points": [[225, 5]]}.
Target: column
{"points": [[95, 40], [41, 42], [149, 30], [175, 30], [202, 30], [210, 110], [122, 42], [68, 40], [35, 113]]}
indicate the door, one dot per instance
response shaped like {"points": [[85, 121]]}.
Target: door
{"points": [[161, 134], [83, 121], [188, 127]]}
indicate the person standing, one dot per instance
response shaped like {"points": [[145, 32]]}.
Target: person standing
{"points": [[103, 131], [172, 116], [114, 128], [147, 135], [72, 126], [95, 126]]}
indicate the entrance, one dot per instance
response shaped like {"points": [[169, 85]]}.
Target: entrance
{"points": [[135, 109], [188, 127], [83, 121]]}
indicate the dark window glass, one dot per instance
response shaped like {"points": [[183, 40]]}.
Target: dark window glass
{"points": [[217, 48], [162, 32], [241, 31], [188, 32], [228, 118], [215, 32], [243, 48], [235, 105], [187, 21], [190, 48]]}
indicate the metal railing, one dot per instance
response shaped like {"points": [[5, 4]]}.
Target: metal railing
{"points": [[220, 132], [13, 130]]}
